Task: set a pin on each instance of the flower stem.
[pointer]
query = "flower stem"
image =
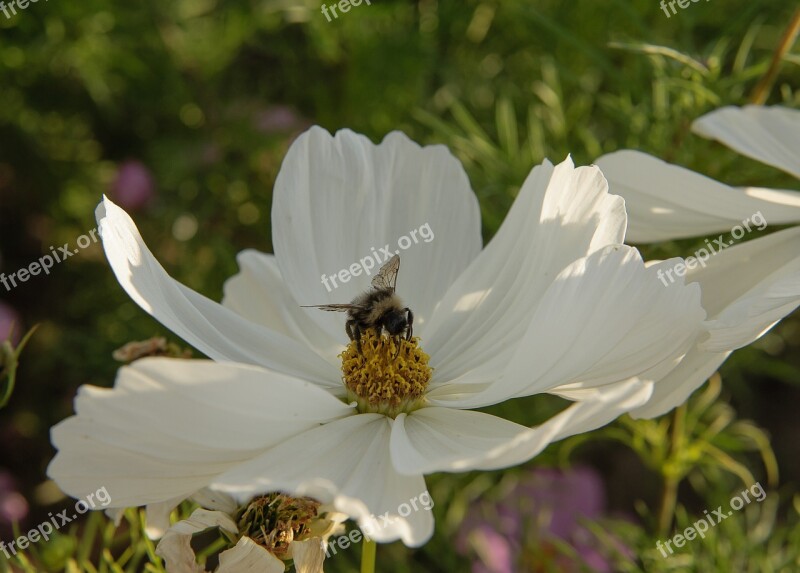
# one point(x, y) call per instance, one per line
point(368, 551)
point(668, 500)
point(672, 472)
point(761, 91)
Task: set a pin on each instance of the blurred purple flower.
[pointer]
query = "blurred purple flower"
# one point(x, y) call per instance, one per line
point(562, 497)
point(494, 550)
point(279, 119)
point(516, 533)
point(13, 507)
point(133, 187)
point(9, 318)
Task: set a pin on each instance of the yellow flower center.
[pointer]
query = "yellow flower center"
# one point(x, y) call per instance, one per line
point(381, 379)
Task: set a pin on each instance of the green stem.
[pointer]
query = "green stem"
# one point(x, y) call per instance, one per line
point(672, 472)
point(668, 500)
point(9, 362)
point(368, 550)
point(761, 91)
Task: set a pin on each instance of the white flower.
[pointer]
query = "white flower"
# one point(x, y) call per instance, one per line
point(769, 134)
point(666, 202)
point(278, 528)
point(554, 304)
point(747, 288)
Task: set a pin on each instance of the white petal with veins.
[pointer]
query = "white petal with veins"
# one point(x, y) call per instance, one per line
point(175, 548)
point(346, 463)
point(259, 294)
point(741, 306)
point(216, 331)
point(768, 134)
point(169, 427)
point(308, 555)
point(443, 439)
point(338, 197)
point(249, 557)
point(666, 201)
point(562, 214)
point(605, 319)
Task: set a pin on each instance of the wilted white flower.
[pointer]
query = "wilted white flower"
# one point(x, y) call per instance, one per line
point(268, 531)
point(554, 304)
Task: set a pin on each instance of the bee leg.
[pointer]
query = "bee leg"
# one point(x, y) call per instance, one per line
point(410, 320)
point(348, 327)
point(357, 331)
point(354, 332)
point(396, 340)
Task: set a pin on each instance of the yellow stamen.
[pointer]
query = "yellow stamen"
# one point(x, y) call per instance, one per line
point(382, 383)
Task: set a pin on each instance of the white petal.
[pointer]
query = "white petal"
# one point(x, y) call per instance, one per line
point(443, 439)
point(169, 427)
point(157, 516)
point(751, 316)
point(116, 514)
point(215, 500)
point(667, 202)
point(249, 557)
point(736, 270)
point(178, 555)
point(745, 290)
point(175, 548)
point(605, 319)
point(202, 519)
point(308, 555)
point(346, 463)
point(259, 294)
point(337, 198)
point(769, 134)
point(214, 330)
point(561, 215)
point(676, 387)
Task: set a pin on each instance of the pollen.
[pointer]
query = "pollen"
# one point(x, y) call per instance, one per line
point(381, 379)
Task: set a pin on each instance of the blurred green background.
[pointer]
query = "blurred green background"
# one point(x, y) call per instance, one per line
point(184, 110)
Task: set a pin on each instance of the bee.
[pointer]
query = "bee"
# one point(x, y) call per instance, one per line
point(379, 308)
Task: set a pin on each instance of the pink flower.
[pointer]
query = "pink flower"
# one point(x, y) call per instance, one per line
point(545, 505)
point(279, 119)
point(13, 507)
point(10, 320)
point(133, 187)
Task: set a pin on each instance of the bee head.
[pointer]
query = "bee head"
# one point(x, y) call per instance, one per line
point(395, 322)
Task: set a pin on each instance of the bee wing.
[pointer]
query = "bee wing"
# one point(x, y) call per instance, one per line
point(333, 307)
point(387, 276)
